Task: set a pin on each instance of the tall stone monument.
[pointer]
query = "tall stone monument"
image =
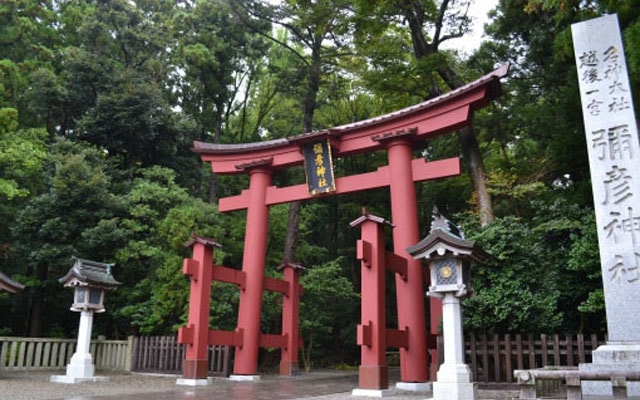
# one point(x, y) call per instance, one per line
point(614, 159)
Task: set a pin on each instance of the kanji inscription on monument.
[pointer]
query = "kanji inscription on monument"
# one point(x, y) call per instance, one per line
point(614, 159)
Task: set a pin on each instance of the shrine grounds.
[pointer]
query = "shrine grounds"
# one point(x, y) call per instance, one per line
point(317, 385)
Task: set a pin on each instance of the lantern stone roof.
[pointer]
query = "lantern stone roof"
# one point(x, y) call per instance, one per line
point(9, 285)
point(90, 273)
point(446, 237)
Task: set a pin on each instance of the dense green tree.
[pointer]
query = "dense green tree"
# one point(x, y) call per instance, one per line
point(158, 300)
point(50, 228)
point(516, 291)
point(22, 152)
point(327, 310)
point(218, 57)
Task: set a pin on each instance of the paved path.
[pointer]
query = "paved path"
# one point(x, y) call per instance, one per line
point(320, 385)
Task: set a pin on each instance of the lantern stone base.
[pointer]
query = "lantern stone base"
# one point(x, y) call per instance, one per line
point(614, 358)
point(80, 369)
point(77, 379)
point(454, 383)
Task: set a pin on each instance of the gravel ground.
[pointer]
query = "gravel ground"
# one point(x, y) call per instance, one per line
point(36, 386)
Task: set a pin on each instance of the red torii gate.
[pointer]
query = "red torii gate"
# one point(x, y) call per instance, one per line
point(396, 133)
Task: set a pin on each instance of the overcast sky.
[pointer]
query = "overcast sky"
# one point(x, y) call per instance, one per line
point(478, 12)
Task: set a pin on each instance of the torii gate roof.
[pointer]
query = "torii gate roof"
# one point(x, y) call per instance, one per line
point(428, 119)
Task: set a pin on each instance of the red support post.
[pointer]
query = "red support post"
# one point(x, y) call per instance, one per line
point(372, 336)
point(410, 291)
point(290, 319)
point(255, 248)
point(196, 334)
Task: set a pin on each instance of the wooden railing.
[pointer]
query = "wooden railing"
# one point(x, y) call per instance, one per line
point(493, 358)
point(19, 353)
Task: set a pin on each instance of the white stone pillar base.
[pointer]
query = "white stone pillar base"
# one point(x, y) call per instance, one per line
point(81, 366)
point(373, 392)
point(80, 369)
point(414, 386)
point(455, 383)
point(244, 378)
point(612, 357)
point(76, 379)
point(455, 390)
point(194, 382)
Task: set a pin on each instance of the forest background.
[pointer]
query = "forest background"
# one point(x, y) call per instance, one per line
point(100, 102)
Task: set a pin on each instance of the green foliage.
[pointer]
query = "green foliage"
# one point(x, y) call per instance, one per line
point(326, 312)
point(22, 153)
point(165, 309)
point(543, 275)
point(49, 228)
point(516, 290)
point(584, 261)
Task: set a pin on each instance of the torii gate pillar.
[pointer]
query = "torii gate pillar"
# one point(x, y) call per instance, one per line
point(290, 318)
point(195, 335)
point(409, 291)
point(253, 262)
point(373, 375)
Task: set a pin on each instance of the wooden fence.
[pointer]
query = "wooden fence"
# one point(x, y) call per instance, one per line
point(18, 353)
point(493, 358)
point(164, 354)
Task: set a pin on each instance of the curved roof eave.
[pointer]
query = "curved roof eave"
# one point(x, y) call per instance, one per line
point(9, 284)
point(491, 80)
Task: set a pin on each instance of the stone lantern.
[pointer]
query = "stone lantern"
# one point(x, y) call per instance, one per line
point(90, 280)
point(450, 257)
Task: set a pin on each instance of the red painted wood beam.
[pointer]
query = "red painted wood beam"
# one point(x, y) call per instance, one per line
point(397, 338)
point(225, 338)
point(276, 285)
point(364, 334)
point(422, 170)
point(396, 264)
point(229, 275)
point(272, 341)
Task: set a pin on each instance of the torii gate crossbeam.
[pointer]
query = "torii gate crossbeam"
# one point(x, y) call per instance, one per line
point(396, 133)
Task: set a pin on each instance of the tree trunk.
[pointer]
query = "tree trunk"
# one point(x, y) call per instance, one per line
point(213, 183)
point(36, 310)
point(413, 11)
point(313, 86)
point(471, 152)
point(293, 231)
